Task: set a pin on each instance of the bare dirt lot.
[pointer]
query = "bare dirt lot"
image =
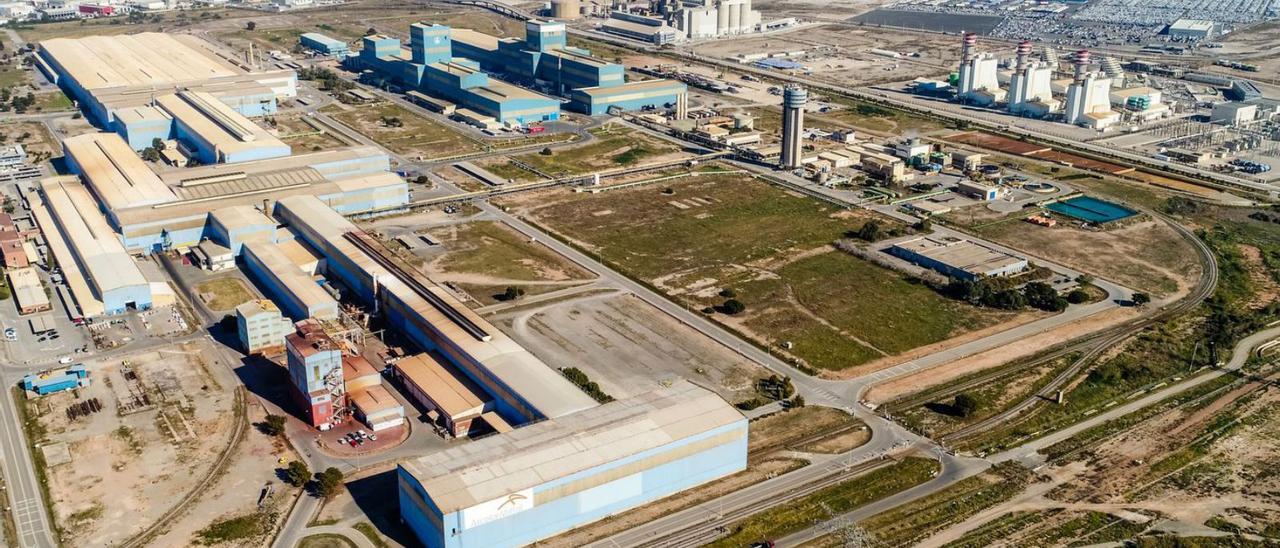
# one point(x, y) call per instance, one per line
point(485, 257)
point(842, 53)
point(1203, 469)
point(165, 418)
point(628, 346)
point(1147, 256)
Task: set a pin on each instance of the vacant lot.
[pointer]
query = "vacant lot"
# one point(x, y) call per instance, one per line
point(614, 146)
point(164, 419)
point(404, 132)
point(711, 237)
point(1147, 256)
point(486, 257)
point(223, 293)
point(33, 137)
point(304, 137)
point(628, 346)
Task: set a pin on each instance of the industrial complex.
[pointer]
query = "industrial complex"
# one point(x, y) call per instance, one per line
point(453, 65)
point(638, 273)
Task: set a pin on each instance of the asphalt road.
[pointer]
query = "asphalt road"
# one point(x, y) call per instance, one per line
point(24, 495)
point(1028, 451)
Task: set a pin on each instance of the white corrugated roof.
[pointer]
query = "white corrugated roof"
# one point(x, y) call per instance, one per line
point(536, 382)
point(96, 247)
point(149, 58)
point(118, 176)
point(496, 466)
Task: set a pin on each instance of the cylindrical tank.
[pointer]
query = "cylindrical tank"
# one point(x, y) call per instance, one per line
point(735, 17)
point(722, 17)
point(565, 10)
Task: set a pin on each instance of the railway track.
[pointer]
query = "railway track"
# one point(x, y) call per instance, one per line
point(717, 525)
point(1099, 344)
point(215, 471)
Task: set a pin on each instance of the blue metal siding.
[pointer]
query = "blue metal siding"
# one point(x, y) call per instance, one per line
point(565, 513)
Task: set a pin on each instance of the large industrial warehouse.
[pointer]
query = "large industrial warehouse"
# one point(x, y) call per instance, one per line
point(167, 86)
point(594, 85)
point(565, 458)
point(536, 481)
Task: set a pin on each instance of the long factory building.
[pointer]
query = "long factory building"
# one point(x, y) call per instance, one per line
point(559, 459)
point(534, 482)
point(153, 85)
point(453, 64)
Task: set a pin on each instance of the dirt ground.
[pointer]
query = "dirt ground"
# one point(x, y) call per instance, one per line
point(841, 53)
point(1147, 255)
point(1202, 469)
point(303, 137)
point(255, 466)
point(996, 357)
point(131, 461)
point(33, 137)
point(628, 346)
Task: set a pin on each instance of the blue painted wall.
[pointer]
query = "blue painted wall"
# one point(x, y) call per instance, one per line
point(565, 513)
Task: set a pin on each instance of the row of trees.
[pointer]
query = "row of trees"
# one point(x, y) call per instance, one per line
point(323, 484)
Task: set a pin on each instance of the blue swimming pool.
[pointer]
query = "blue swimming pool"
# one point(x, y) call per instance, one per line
point(1087, 208)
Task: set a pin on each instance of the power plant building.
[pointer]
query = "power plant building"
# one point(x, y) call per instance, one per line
point(533, 482)
point(1030, 90)
point(978, 79)
point(1089, 97)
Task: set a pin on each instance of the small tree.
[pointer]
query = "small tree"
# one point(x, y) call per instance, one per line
point(1084, 280)
point(329, 483)
point(273, 425)
point(728, 293)
point(512, 293)
point(1141, 299)
point(546, 151)
point(1078, 296)
point(964, 404)
point(797, 401)
point(297, 473)
point(157, 143)
point(870, 232)
point(370, 31)
point(733, 306)
point(251, 25)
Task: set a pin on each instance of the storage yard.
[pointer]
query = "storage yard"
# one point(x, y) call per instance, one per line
point(160, 414)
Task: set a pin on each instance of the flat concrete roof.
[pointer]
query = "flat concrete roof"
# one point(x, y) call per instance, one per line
point(965, 255)
point(149, 58)
point(375, 400)
point(496, 466)
point(116, 173)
